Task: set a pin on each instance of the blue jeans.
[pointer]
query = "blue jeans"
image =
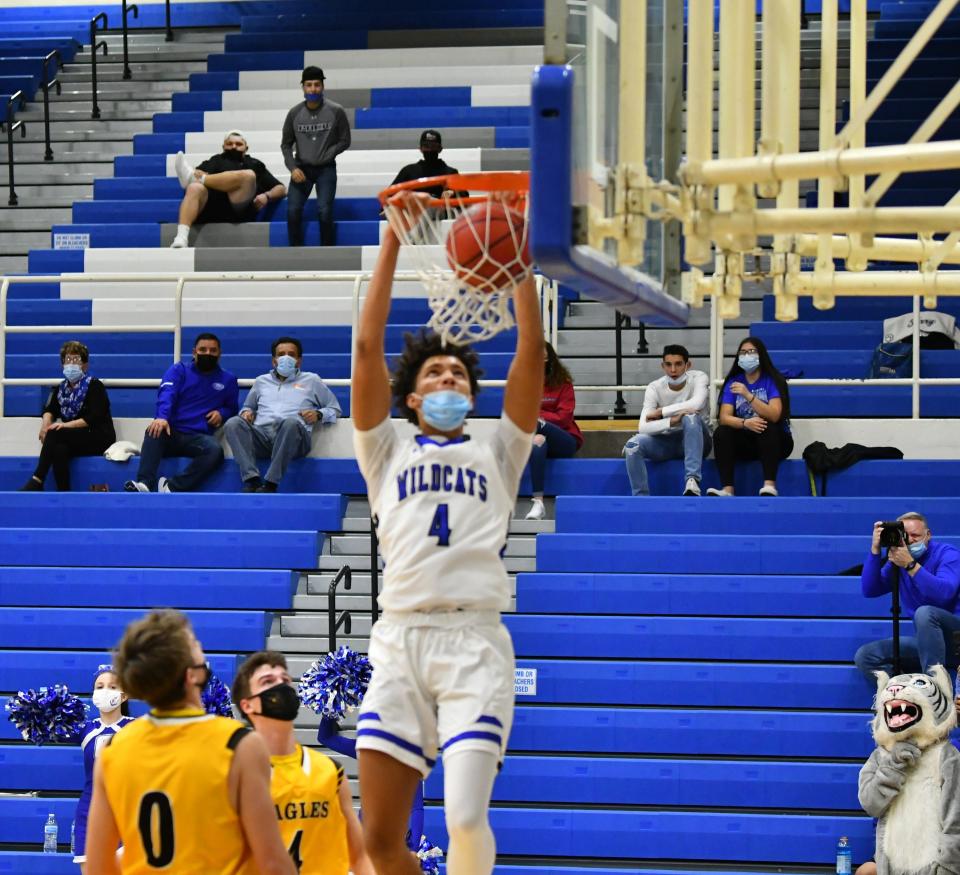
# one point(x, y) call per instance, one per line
point(289, 441)
point(203, 450)
point(559, 444)
point(325, 179)
point(692, 444)
point(933, 645)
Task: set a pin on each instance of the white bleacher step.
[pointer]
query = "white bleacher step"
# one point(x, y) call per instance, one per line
point(60, 190)
point(264, 145)
point(590, 314)
point(315, 584)
point(518, 526)
point(312, 625)
point(309, 648)
point(232, 259)
point(179, 72)
point(13, 264)
point(141, 63)
point(114, 94)
point(333, 562)
point(21, 242)
point(25, 218)
point(112, 110)
point(518, 546)
point(69, 148)
point(414, 75)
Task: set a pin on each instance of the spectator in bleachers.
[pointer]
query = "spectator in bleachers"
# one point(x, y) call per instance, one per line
point(315, 131)
point(557, 436)
point(193, 402)
point(76, 420)
point(673, 423)
point(431, 164)
point(229, 187)
point(754, 417)
point(278, 416)
point(927, 573)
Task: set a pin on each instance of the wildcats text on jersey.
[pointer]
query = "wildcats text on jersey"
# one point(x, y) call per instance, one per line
point(441, 478)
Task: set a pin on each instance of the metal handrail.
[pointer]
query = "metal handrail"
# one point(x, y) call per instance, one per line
point(169, 37)
point(333, 622)
point(136, 14)
point(13, 99)
point(374, 572)
point(94, 48)
point(45, 84)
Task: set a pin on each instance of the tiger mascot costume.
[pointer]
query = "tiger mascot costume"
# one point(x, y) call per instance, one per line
point(911, 783)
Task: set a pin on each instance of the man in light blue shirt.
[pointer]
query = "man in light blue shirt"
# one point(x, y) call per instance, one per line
point(277, 419)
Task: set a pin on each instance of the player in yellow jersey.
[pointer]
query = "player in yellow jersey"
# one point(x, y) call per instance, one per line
point(311, 796)
point(187, 792)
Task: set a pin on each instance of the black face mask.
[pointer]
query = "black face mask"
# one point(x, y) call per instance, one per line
point(279, 702)
point(232, 155)
point(207, 673)
point(430, 157)
point(206, 363)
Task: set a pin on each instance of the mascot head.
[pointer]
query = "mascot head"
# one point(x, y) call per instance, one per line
point(913, 707)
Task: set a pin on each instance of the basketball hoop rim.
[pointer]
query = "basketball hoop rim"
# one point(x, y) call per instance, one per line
point(513, 181)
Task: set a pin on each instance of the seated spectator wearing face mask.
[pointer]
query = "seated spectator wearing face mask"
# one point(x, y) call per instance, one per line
point(229, 187)
point(193, 402)
point(431, 164)
point(754, 417)
point(76, 420)
point(927, 573)
point(673, 423)
point(278, 416)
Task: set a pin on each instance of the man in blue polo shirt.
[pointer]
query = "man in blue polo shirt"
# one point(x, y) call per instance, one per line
point(928, 575)
point(278, 417)
point(193, 402)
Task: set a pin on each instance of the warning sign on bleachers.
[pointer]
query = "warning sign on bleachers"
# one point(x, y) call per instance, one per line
point(525, 682)
point(71, 241)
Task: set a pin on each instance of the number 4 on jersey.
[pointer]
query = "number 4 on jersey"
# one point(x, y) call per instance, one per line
point(440, 527)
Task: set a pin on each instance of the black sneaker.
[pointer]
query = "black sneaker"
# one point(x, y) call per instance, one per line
point(252, 485)
point(32, 485)
point(267, 486)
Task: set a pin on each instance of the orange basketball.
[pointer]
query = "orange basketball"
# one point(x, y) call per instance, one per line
point(487, 246)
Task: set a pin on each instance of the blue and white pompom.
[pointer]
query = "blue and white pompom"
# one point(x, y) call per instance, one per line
point(216, 698)
point(47, 714)
point(430, 856)
point(334, 685)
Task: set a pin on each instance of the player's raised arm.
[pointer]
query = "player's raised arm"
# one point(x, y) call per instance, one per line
point(524, 390)
point(370, 383)
point(103, 837)
point(255, 807)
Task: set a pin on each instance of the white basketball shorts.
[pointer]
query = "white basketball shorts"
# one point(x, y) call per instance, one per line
point(441, 681)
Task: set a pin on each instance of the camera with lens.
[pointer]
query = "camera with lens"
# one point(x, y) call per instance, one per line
point(893, 534)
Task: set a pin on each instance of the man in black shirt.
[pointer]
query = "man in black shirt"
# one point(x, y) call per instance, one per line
point(229, 187)
point(431, 145)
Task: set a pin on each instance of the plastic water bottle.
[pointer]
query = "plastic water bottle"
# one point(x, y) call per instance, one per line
point(844, 857)
point(73, 837)
point(50, 835)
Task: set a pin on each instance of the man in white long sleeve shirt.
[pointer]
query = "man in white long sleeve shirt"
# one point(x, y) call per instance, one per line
point(673, 424)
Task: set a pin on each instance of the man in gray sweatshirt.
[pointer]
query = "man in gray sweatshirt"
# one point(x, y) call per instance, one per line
point(314, 133)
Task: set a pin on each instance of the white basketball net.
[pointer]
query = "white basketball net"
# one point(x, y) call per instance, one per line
point(467, 305)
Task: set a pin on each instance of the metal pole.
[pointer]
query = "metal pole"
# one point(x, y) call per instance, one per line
point(915, 375)
point(47, 82)
point(169, 37)
point(699, 111)
point(178, 320)
point(94, 47)
point(11, 127)
point(672, 137)
point(136, 14)
point(374, 572)
point(619, 406)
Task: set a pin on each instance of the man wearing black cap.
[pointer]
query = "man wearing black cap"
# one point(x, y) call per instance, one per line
point(314, 133)
point(431, 145)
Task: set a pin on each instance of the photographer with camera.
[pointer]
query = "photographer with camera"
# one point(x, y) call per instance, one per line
point(928, 576)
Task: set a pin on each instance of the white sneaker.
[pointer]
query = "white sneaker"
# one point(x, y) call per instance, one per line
point(718, 492)
point(769, 491)
point(135, 486)
point(163, 485)
point(180, 242)
point(183, 170)
point(537, 511)
point(692, 487)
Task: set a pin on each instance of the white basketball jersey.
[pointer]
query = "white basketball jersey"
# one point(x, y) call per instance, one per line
point(443, 511)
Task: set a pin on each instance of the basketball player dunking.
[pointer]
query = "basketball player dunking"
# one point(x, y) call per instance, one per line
point(443, 662)
point(183, 790)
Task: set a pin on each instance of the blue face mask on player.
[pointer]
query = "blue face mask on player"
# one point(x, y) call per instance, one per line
point(286, 365)
point(72, 373)
point(445, 410)
point(749, 363)
point(313, 99)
